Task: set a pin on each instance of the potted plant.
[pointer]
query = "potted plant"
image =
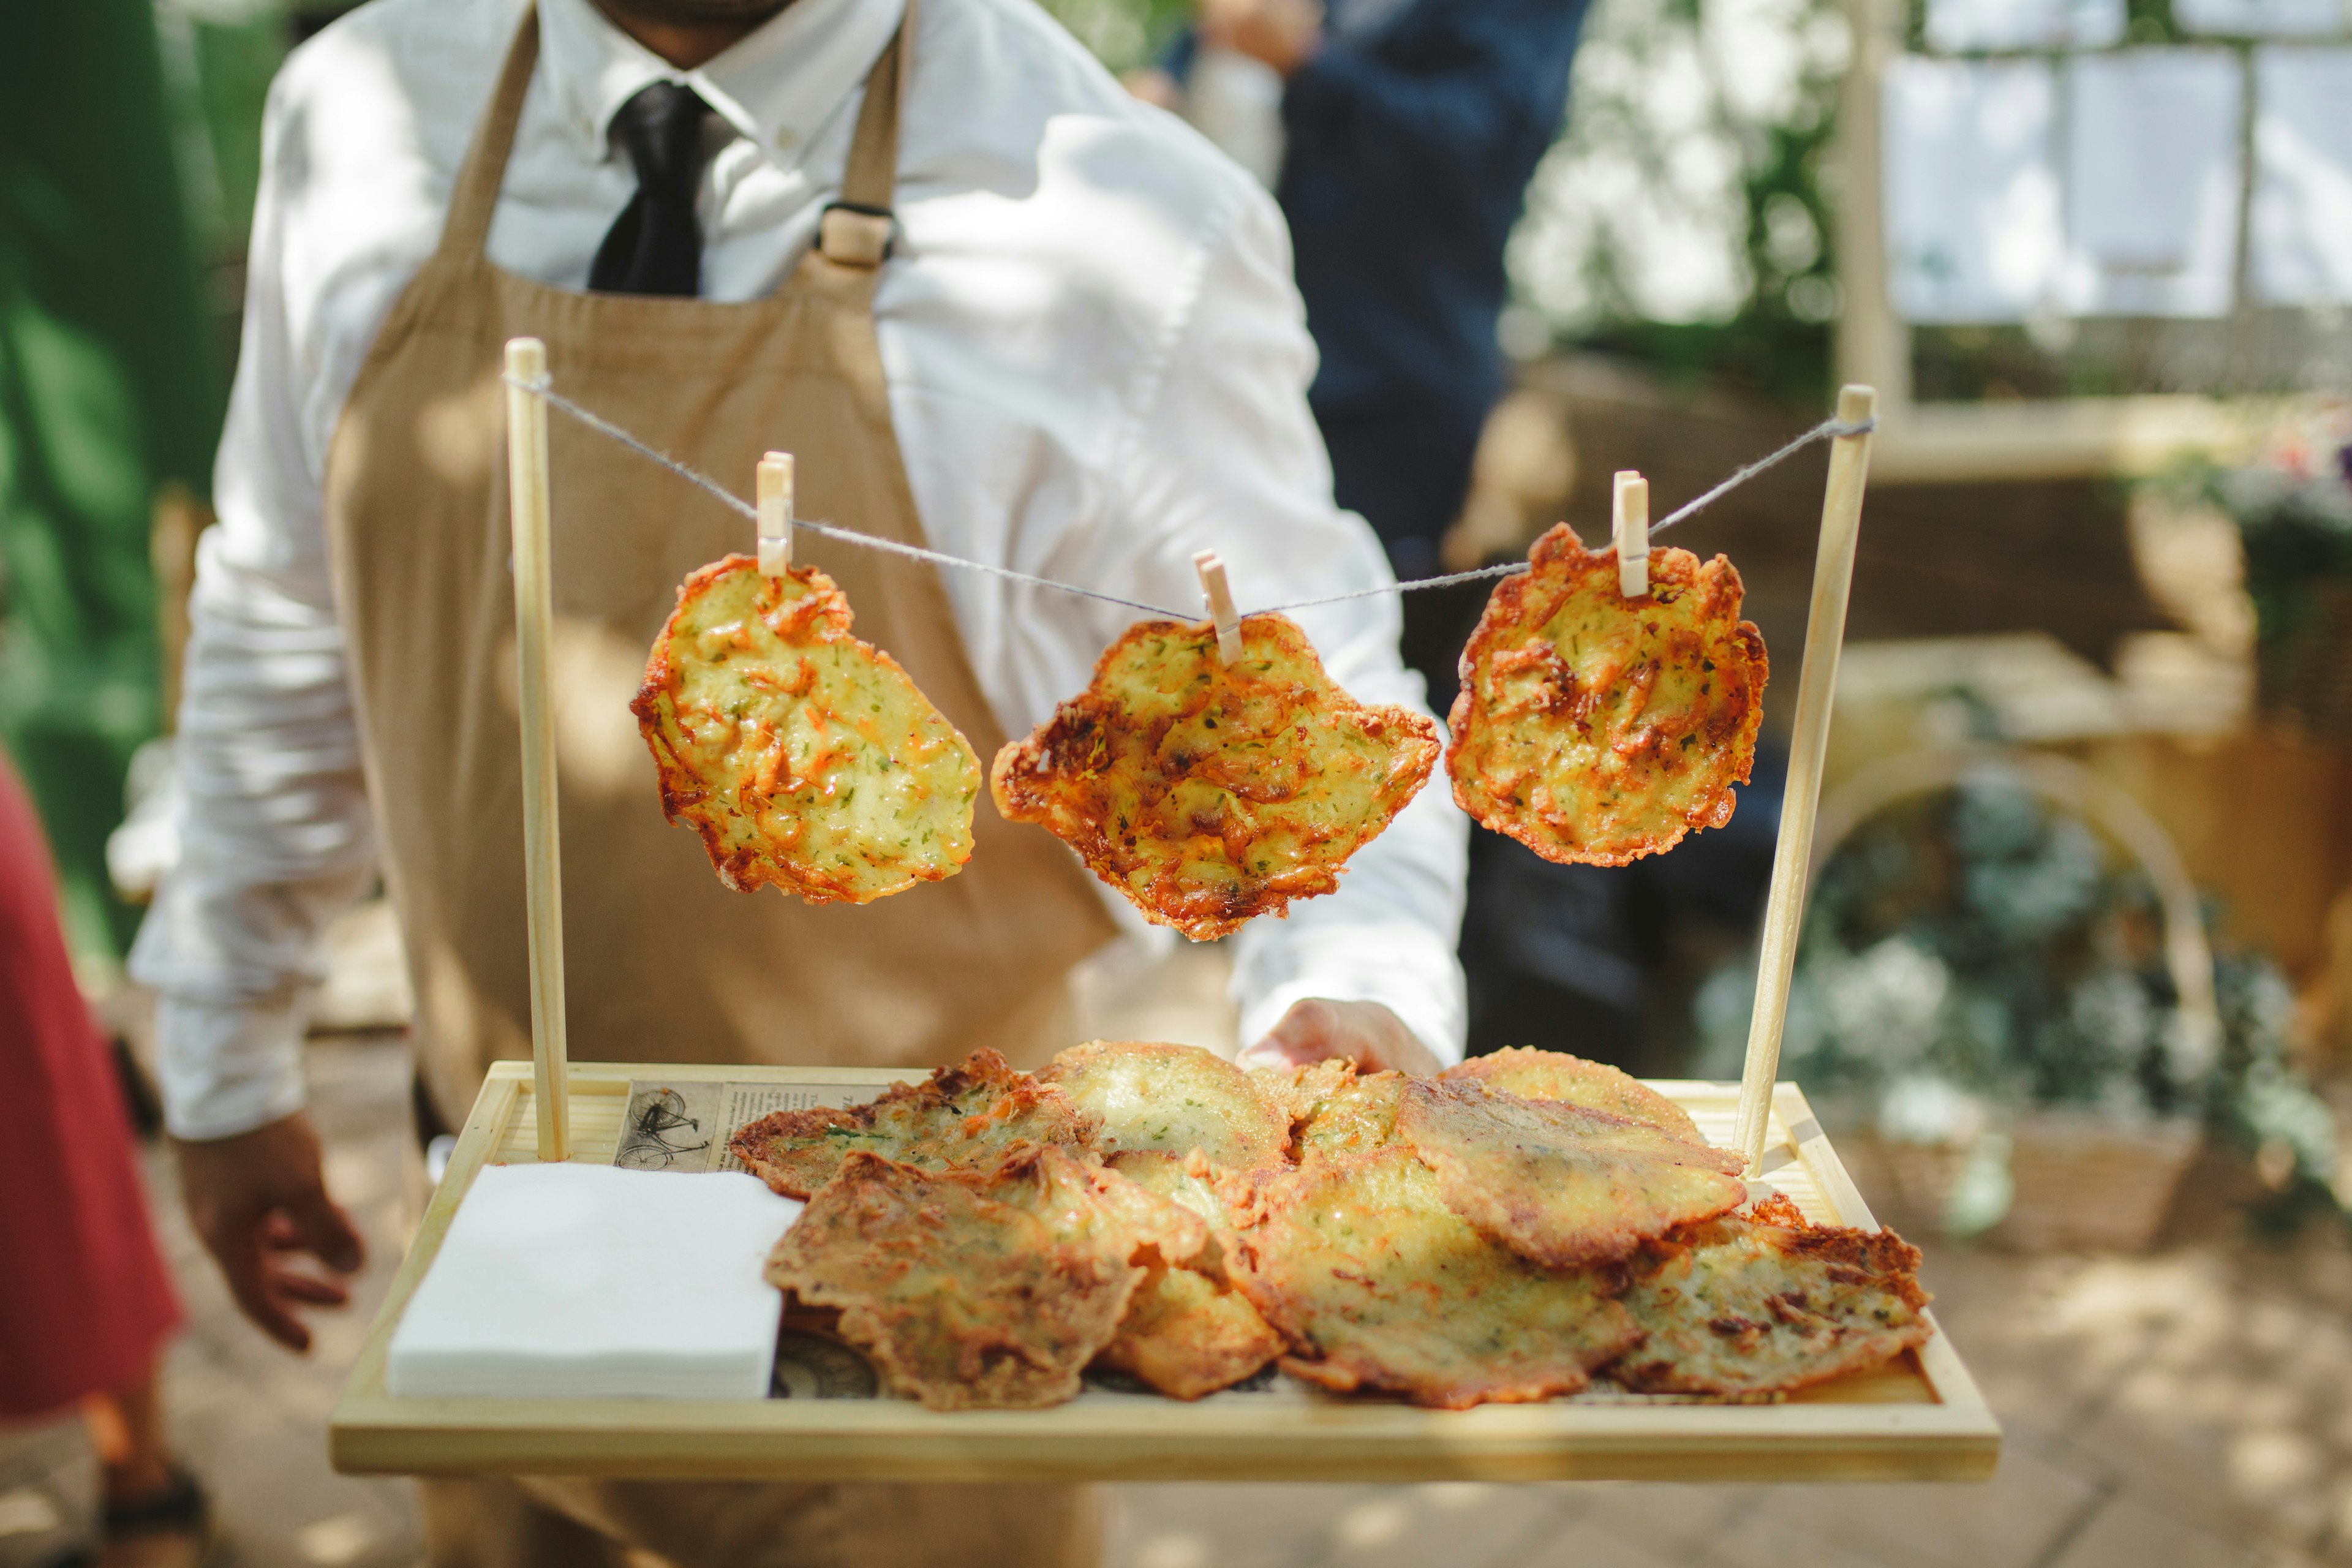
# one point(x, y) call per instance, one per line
point(2293, 507)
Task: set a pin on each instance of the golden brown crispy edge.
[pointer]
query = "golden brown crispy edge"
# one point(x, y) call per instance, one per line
point(1514, 1069)
point(1256, 1122)
point(824, 611)
point(772, 1147)
point(1507, 609)
point(740, 870)
point(1853, 1257)
point(1189, 1332)
point(1266, 1196)
point(1062, 1294)
point(1070, 741)
point(1301, 1091)
point(1562, 1185)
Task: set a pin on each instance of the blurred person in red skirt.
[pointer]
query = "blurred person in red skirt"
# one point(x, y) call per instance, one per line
point(88, 1304)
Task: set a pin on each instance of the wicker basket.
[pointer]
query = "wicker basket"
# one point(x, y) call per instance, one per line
point(2083, 1184)
point(2083, 1181)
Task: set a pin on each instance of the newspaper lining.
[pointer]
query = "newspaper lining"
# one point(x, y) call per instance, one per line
point(684, 1124)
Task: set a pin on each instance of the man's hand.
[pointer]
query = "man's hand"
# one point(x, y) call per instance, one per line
point(258, 1198)
point(1285, 33)
point(1373, 1037)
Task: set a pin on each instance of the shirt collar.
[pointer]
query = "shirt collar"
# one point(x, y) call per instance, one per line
point(777, 86)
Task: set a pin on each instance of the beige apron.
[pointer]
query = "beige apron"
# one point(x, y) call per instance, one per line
point(663, 964)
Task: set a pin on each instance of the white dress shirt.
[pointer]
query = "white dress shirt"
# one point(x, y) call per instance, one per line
point(1097, 364)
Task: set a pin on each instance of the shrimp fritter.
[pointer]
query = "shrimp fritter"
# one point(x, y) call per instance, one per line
point(1377, 1284)
point(806, 759)
point(975, 1290)
point(1596, 728)
point(1208, 792)
point(1766, 1303)
point(1174, 1099)
point(1532, 1074)
point(974, 1115)
point(1560, 1184)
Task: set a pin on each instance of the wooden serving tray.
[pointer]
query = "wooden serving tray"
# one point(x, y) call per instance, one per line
point(1919, 1419)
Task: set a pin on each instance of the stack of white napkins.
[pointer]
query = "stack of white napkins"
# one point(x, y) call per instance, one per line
point(585, 1281)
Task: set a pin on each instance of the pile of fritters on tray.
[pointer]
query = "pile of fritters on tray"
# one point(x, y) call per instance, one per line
point(1510, 1231)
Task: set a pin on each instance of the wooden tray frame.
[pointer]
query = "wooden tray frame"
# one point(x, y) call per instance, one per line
point(1921, 1420)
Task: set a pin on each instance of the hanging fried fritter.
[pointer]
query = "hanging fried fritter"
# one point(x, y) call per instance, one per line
point(1762, 1303)
point(1173, 1099)
point(980, 1291)
point(1188, 1331)
point(1378, 1285)
point(805, 758)
point(1596, 728)
point(973, 1115)
point(1562, 1184)
point(1531, 1074)
point(1210, 793)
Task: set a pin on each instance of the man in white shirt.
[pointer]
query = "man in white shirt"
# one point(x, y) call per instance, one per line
point(997, 307)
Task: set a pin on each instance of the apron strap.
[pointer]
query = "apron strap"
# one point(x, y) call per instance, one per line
point(852, 232)
point(475, 194)
point(856, 230)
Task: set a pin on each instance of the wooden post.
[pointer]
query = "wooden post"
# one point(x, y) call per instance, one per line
point(1784, 909)
point(774, 489)
point(1220, 595)
point(542, 866)
point(1629, 526)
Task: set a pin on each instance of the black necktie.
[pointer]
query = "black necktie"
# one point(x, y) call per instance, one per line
point(654, 246)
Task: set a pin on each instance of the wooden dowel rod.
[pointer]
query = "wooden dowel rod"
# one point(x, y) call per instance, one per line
point(1220, 596)
point(542, 866)
point(774, 492)
point(1784, 909)
point(1628, 527)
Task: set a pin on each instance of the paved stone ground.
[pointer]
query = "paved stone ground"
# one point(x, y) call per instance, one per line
point(2192, 1408)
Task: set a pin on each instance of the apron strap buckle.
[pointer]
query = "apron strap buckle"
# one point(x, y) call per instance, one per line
point(850, 234)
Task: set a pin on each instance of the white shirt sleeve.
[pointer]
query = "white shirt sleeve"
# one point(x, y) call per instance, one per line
point(1226, 455)
point(276, 837)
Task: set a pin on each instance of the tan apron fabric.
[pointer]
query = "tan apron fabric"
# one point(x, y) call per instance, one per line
point(662, 963)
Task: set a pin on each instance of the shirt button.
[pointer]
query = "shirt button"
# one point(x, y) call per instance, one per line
point(787, 138)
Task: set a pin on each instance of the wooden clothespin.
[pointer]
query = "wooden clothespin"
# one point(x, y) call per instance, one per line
point(1628, 525)
point(774, 491)
point(1220, 595)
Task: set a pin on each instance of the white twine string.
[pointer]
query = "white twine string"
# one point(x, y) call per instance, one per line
point(597, 422)
point(1820, 432)
point(1823, 431)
